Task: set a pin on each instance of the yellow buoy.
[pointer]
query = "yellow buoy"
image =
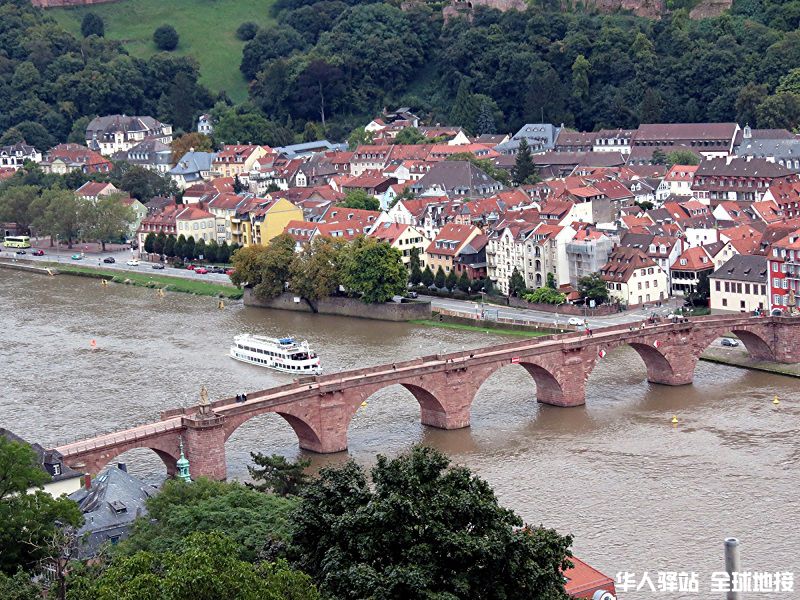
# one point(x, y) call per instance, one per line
point(674, 420)
point(105, 282)
point(364, 404)
point(160, 292)
point(220, 305)
point(775, 401)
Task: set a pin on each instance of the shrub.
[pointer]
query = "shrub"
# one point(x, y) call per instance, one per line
point(247, 31)
point(166, 38)
point(92, 24)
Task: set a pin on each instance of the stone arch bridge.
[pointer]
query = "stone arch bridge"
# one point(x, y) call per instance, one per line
point(319, 409)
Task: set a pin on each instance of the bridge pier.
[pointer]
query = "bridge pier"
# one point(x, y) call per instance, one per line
point(204, 446)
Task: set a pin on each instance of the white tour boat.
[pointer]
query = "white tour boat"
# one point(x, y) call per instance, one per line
point(282, 354)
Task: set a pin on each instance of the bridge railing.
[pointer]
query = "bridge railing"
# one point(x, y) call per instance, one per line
point(119, 437)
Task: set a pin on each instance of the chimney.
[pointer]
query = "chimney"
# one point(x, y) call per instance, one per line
point(87, 481)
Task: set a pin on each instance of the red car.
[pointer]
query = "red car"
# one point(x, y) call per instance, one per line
point(191, 267)
point(229, 272)
point(38, 252)
point(201, 270)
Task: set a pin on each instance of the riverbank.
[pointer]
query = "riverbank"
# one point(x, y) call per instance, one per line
point(735, 357)
point(165, 282)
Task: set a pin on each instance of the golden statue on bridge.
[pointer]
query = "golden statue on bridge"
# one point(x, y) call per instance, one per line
point(205, 405)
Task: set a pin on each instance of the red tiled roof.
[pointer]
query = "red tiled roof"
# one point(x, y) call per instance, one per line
point(193, 212)
point(680, 173)
point(451, 232)
point(583, 581)
point(389, 232)
point(695, 259)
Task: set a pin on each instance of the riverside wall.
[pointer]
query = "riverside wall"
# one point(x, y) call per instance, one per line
point(345, 307)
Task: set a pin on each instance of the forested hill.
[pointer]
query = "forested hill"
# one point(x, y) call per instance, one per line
point(349, 59)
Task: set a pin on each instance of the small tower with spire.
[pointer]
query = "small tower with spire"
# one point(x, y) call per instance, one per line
point(183, 465)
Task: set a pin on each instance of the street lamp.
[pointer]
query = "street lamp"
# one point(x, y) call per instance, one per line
point(557, 305)
point(58, 248)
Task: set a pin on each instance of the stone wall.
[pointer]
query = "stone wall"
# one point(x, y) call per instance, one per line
point(566, 309)
point(346, 307)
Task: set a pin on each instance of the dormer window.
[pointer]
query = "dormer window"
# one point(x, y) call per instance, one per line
point(683, 261)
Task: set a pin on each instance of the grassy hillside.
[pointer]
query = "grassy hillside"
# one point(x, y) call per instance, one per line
point(206, 28)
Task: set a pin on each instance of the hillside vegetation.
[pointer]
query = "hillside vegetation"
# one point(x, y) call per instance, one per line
point(206, 28)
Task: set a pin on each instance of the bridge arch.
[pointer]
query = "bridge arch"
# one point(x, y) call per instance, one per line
point(303, 426)
point(432, 410)
point(549, 389)
point(95, 462)
point(757, 346)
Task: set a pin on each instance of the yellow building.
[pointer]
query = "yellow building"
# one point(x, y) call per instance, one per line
point(238, 160)
point(196, 221)
point(259, 220)
point(442, 251)
point(404, 238)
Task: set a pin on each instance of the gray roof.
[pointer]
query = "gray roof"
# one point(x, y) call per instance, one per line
point(146, 152)
point(110, 507)
point(743, 267)
point(296, 150)
point(785, 149)
point(540, 136)
point(192, 163)
point(741, 167)
point(114, 123)
point(47, 458)
point(458, 178)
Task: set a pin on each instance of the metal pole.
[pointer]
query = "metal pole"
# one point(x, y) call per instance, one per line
point(732, 565)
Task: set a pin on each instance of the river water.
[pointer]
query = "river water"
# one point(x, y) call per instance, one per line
point(638, 493)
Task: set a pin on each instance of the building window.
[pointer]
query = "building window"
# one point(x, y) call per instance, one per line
point(716, 285)
point(56, 469)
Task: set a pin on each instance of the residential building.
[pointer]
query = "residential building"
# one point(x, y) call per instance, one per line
point(686, 272)
point(740, 285)
point(68, 158)
point(737, 179)
point(441, 252)
point(784, 273)
point(159, 221)
point(205, 125)
point(370, 157)
point(110, 504)
point(471, 259)
point(632, 278)
point(456, 178)
point(139, 214)
point(587, 252)
point(258, 220)
point(152, 154)
point(14, 156)
point(223, 207)
point(403, 238)
point(118, 133)
point(786, 196)
point(195, 221)
point(677, 182)
point(540, 137)
point(238, 159)
point(574, 141)
point(62, 478)
point(192, 168)
point(92, 190)
point(613, 140)
point(705, 139)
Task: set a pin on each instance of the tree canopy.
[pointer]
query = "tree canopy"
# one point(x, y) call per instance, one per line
point(360, 199)
point(424, 529)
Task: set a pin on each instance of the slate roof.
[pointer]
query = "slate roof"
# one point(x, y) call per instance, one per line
point(742, 267)
point(46, 458)
point(193, 162)
point(741, 167)
point(458, 178)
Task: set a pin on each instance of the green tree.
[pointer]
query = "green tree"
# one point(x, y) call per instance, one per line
point(92, 24)
point(28, 521)
point(61, 214)
point(265, 269)
point(465, 107)
point(107, 219)
point(413, 257)
point(702, 292)
point(253, 128)
point(780, 110)
point(551, 281)
point(658, 157)
point(440, 278)
point(682, 157)
point(150, 243)
point(545, 295)
point(188, 247)
point(516, 286)
point(180, 247)
point(200, 249)
point(224, 253)
point(247, 31)
point(17, 205)
point(144, 184)
point(169, 245)
point(166, 38)
point(316, 272)
point(651, 107)
point(360, 199)
point(423, 529)
point(252, 519)
point(524, 169)
point(484, 121)
point(580, 80)
point(592, 287)
point(374, 270)
point(211, 251)
point(277, 475)
point(427, 277)
point(464, 282)
point(409, 136)
point(488, 286)
point(790, 83)
point(451, 281)
point(359, 137)
point(747, 101)
point(206, 565)
point(19, 587)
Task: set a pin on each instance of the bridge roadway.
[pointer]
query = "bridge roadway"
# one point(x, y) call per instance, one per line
point(319, 409)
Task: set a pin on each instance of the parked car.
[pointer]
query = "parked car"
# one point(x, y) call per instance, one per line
point(191, 267)
point(21, 252)
point(109, 260)
point(412, 294)
point(217, 270)
point(132, 263)
point(578, 322)
point(38, 252)
point(76, 257)
point(201, 270)
point(229, 272)
point(729, 342)
point(158, 265)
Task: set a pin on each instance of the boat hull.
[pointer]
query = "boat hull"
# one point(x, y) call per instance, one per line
point(268, 363)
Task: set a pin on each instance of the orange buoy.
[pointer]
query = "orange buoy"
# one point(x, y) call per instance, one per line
point(93, 344)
